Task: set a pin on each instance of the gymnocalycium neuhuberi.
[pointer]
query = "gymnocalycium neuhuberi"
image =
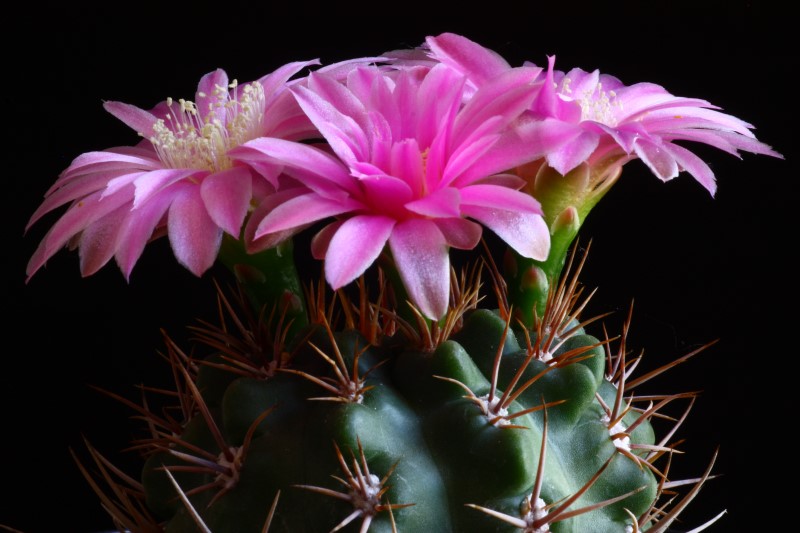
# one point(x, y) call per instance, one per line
point(397, 393)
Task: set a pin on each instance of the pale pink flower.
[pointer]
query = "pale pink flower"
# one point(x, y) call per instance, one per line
point(178, 181)
point(407, 165)
point(612, 121)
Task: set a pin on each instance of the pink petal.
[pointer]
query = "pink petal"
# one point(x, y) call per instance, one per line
point(193, 235)
point(624, 136)
point(394, 110)
point(727, 141)
point(321, 241)
point(77, 218)
point(380, 139)
point(340, 96)
point(208, 101)
point(267, 204)
point(659, 160)
point(643, 97)
point(292, 126)
point(360, 83)
point(468, 58)
point(274, 82)
point(310, 158)
point(549, 103)
point(144, 150)
point(268, 170)
point(421, 256)
point(138, 229)
point(459, 232)
point(676, 119)
point(694, 166)
point(82, 214)
point(509, 181)
point(386, 193)
point(139, 120)
point(470, 152)
point(301, 210)
point(227, 197)
point(98, 241)
point(494, 196)
point(574, 152)
point(356, 244)
point(507, 96)
point(444, 202)
point(526, 141)
point(342, 132)
point(271, 240)
point(526, 233)
point(341, 69)
point(438, 101)
point(76, 189)
point(406, 161)
point(100, 162)
point(153, 183)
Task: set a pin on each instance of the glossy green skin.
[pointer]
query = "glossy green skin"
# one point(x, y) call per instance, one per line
point(444, 451)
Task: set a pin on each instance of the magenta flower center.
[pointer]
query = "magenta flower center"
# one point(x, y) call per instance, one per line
point(189, 137)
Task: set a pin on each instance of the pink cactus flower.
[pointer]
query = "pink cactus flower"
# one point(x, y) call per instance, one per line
point(407, 164)
point(613, 122)
point(178, 181)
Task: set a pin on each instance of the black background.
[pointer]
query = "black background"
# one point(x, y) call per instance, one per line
point(698, 268)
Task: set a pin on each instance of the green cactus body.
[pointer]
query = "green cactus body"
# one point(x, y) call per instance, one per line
point(412, 426)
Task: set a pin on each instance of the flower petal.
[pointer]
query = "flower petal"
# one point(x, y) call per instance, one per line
point(301, 210)
point(310, 158)
point(321, 241)
point(406, 161)
point(441, 203)
point(421, 255)
point(526, 233)
point(356, 244)
point(106, 161)
point(98, 241)
point(574, 153)
point(193, 235)
point(507, 96)
point(211, 96)
point(274, 82)
point(437, 102)
point(459, 232)
point(138, 229)
point(526, 141)
point(77, 218)
point(497, 197)
point(694, 166)
point(139, 120)
point(227, 197)
point(659, 160)
point(342, 132)
point(467, 57)
point(74, 190)
point(153, 183)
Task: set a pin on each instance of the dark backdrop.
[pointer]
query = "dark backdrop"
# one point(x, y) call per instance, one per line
point(698, 268)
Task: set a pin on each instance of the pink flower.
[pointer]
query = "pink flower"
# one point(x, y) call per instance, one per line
point(179, 181)
point(612, 121)
point(408, 164)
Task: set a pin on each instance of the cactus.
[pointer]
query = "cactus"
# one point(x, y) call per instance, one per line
point(474, 423)
point(397, 394)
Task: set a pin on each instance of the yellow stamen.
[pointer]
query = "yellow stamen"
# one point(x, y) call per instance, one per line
point(192, 138)
point(596, 104)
